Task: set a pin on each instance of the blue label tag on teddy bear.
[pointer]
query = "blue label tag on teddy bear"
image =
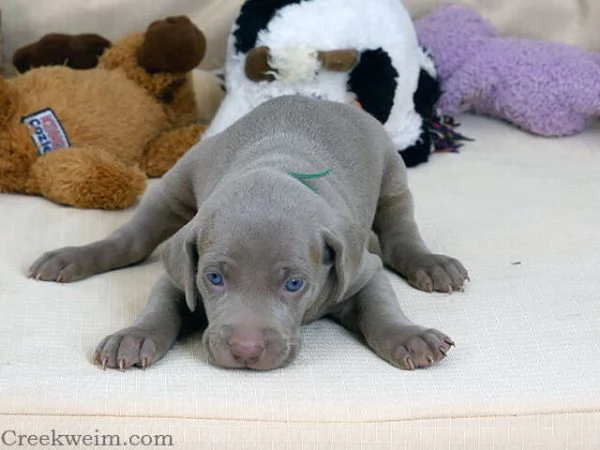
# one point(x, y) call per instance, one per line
point(47, 133)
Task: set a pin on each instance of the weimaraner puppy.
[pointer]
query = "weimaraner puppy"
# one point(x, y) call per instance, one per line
point(271, 222)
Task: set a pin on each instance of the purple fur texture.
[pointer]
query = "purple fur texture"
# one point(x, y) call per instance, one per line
point(543, 87)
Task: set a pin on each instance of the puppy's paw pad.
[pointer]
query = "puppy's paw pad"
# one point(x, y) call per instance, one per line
point(419, 347)
point(439, 273)
point(127, 348)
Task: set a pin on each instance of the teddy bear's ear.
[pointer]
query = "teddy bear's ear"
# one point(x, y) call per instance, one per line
point(174, 44)
point(80, 51)
point(22, 58)
point(8, 101)
point(55, 49)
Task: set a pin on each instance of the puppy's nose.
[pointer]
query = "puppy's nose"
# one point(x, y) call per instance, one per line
point(247, 346)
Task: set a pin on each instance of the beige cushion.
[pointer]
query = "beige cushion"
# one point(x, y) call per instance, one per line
point(520, 211)
point(571, 21)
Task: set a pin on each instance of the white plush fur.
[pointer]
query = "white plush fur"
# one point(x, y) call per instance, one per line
point(295, 35)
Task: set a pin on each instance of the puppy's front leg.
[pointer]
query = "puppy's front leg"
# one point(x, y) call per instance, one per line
point(152, 333)
point(160, 214)
point(374, 313)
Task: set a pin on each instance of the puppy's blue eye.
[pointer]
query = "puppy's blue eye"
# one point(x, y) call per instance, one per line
point(294, 284)
point(215, 278)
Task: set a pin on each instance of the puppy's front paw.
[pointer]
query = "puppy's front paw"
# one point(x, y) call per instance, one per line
point(63, 265)
point(127, 348)
point(429, 272)
point(412, 347)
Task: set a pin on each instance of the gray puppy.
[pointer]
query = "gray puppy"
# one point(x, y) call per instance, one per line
point(271, 221)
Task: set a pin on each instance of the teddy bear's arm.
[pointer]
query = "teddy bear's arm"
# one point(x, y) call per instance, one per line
point(85, 178)
point(163, 151)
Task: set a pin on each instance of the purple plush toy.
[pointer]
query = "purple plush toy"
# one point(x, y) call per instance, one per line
point(546, 88)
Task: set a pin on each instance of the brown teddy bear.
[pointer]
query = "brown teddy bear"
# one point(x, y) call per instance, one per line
point(89, 138)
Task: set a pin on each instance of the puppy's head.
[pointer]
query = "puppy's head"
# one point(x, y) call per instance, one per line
point(262, 258)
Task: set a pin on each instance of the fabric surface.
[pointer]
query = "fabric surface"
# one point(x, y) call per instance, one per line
point(570, 21)
point(521, 213)
point(540, 431)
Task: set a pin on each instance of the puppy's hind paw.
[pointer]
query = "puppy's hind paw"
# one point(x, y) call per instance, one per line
point(429, 272)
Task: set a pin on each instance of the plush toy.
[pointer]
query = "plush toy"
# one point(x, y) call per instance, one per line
point(342, 50)
point(83, 51)
point(546, 88)
point(89, 138)
point(80, 51)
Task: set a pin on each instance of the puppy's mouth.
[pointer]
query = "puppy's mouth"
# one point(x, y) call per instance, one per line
point(270, 362)
point(275, 355)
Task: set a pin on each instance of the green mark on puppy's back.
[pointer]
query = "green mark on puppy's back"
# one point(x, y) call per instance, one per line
point(305, 177)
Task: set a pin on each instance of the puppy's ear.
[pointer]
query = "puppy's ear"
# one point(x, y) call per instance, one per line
point(180, 257)
point(346, 243)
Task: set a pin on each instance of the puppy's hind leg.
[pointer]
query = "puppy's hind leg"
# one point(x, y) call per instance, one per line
point(402, 246)
point(152, 333)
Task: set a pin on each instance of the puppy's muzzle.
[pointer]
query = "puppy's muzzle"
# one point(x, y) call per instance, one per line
point(247, 346)
point(254, 348)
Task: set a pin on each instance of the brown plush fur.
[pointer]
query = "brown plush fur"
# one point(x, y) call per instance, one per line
point(76, 51)
point(257, 65)
point(172, 89)
point(109, 181)
point(122, 123)
point(172, 45)
point(339, 60)
point(167, 148)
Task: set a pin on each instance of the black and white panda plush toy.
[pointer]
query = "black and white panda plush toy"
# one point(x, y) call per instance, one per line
point(351, 51)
